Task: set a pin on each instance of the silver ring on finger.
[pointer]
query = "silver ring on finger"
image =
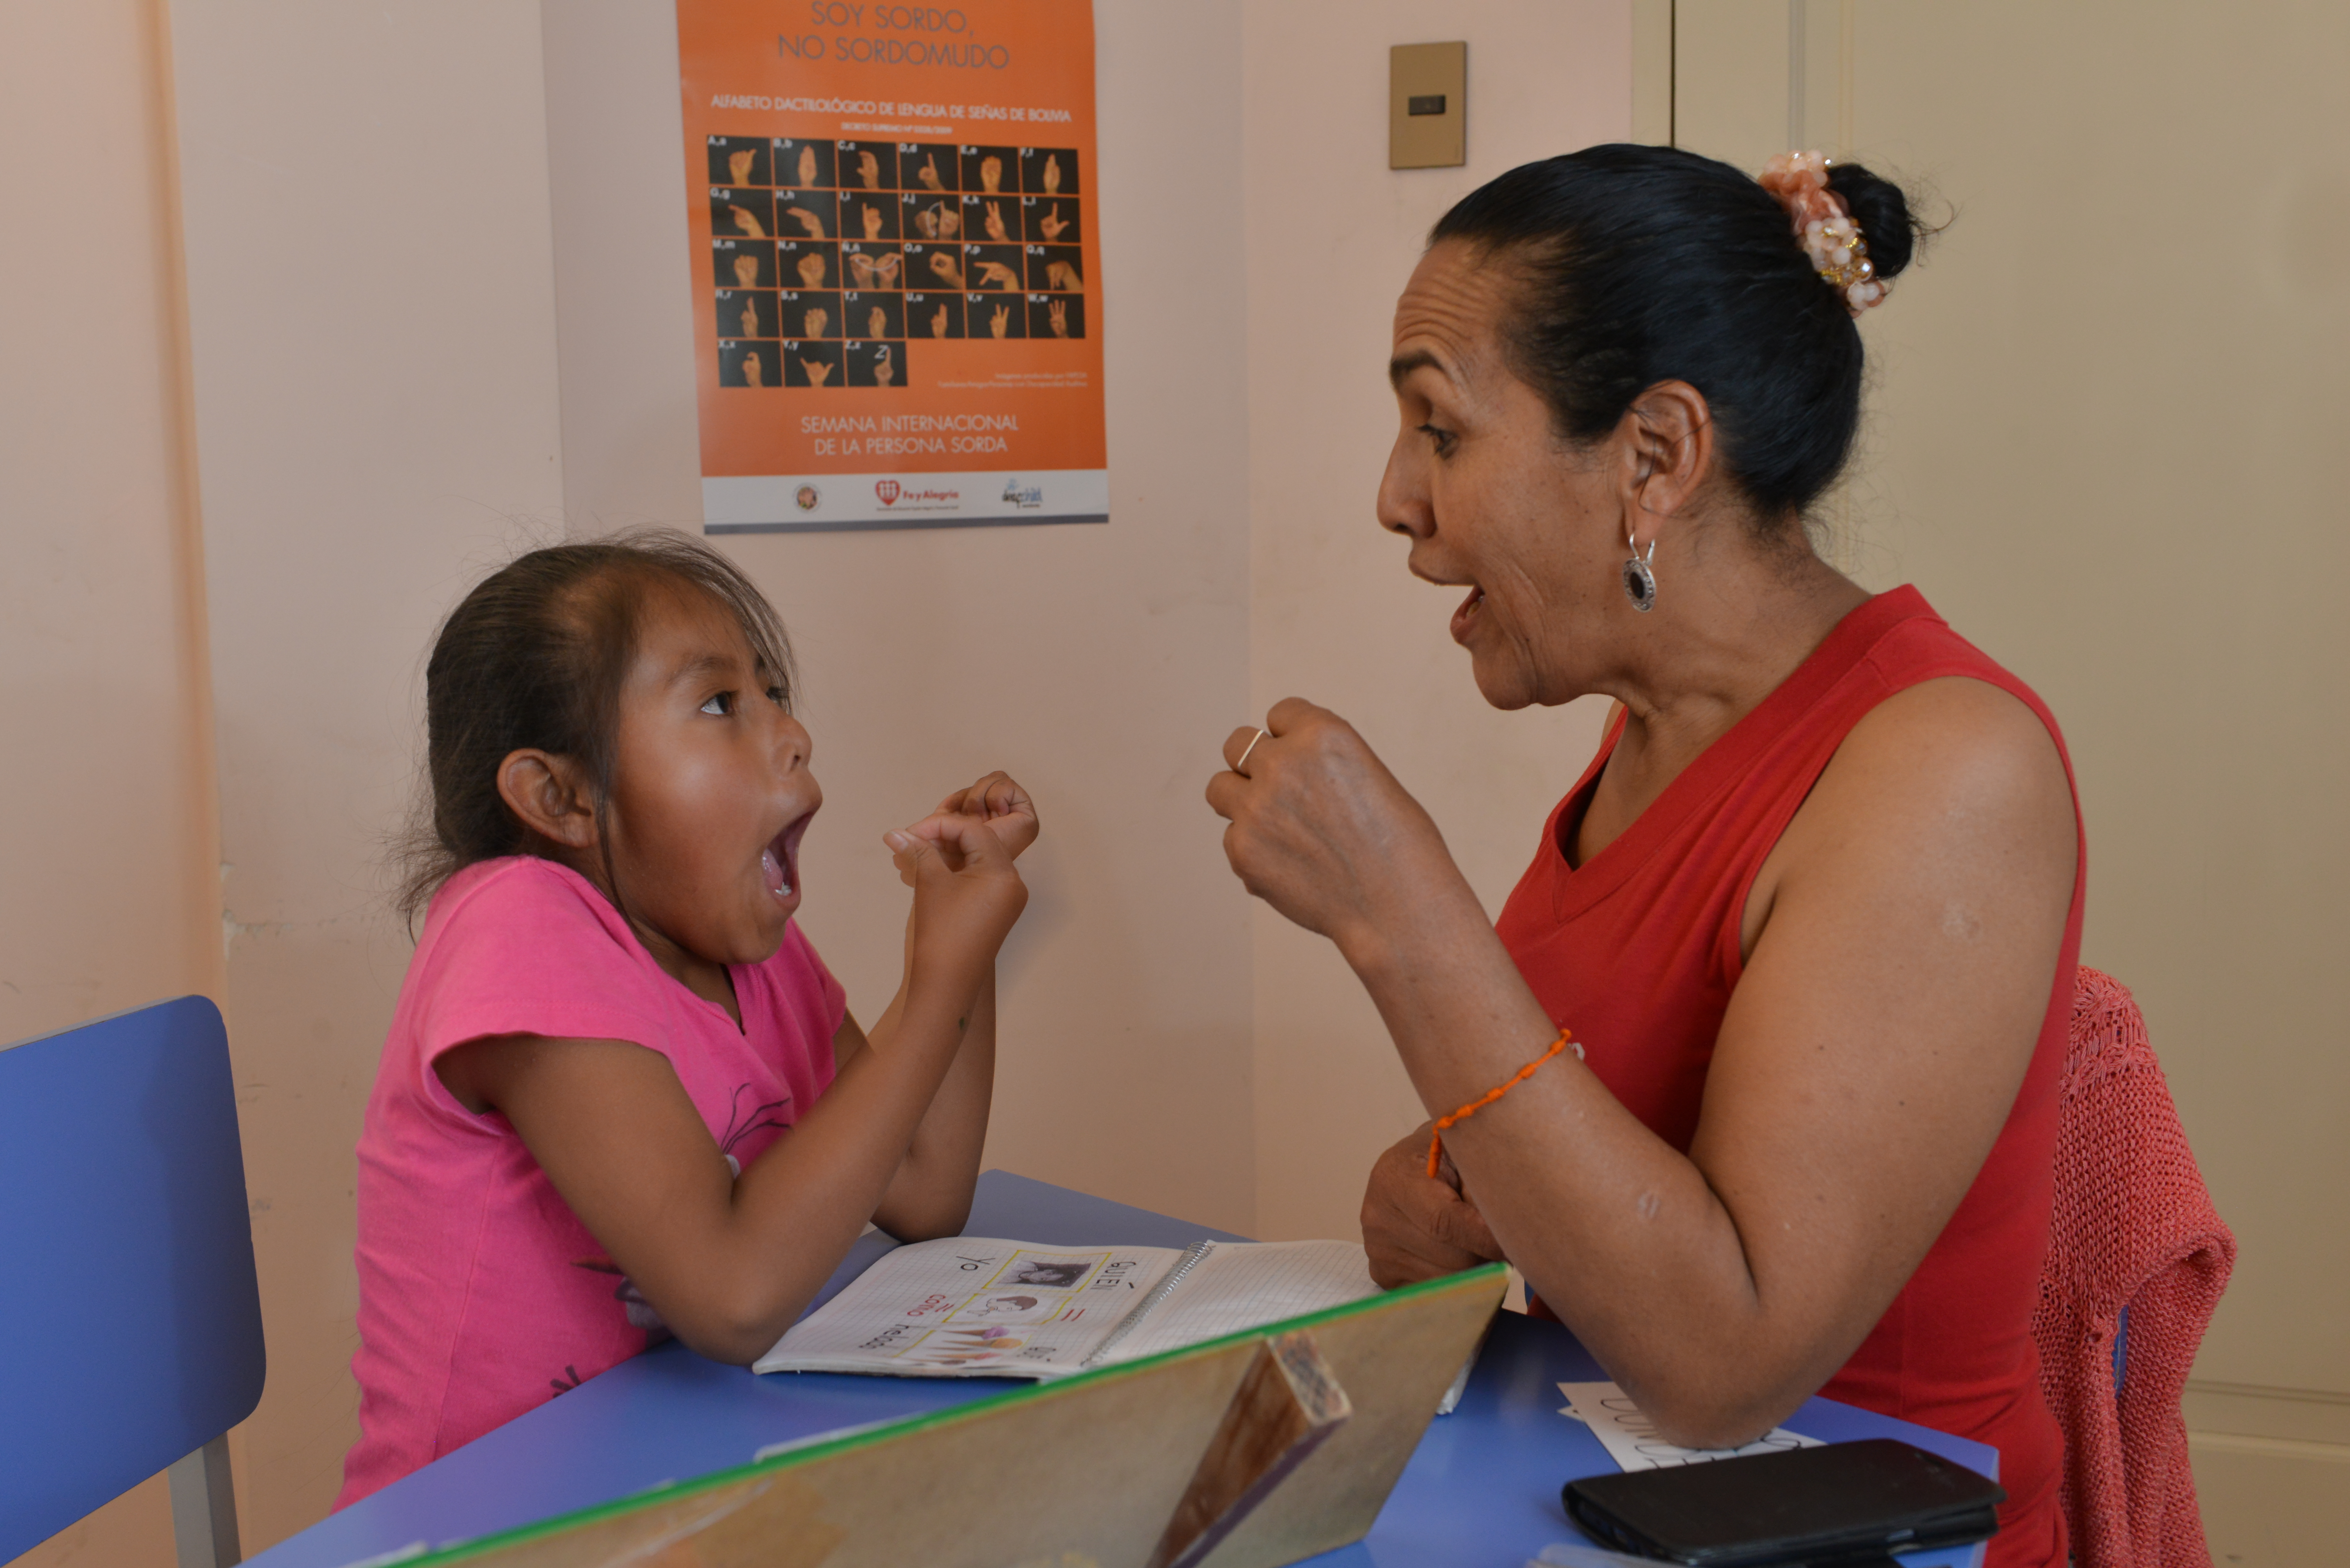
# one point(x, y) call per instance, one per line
point(1240, 767)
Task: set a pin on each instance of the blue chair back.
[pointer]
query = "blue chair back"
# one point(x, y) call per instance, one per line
point(131, 1323)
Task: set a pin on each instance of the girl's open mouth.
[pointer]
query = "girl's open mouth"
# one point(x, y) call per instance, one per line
point(779, 863)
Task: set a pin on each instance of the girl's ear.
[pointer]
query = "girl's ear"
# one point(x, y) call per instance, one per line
point(548, 793)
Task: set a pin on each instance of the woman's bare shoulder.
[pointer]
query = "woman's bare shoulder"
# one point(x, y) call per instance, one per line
point(1955, 743)
point(1952, 781)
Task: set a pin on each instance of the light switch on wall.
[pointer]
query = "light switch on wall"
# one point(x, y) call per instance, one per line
point(1428, 106)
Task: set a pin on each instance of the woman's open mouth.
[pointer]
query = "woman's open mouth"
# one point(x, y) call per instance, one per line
point(779, 863)
point(1466, 616)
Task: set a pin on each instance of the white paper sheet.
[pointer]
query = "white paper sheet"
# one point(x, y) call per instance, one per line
point(1238, 1285)
point(1631, 1438)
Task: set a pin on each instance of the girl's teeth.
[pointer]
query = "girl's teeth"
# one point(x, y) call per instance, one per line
point(772, 870)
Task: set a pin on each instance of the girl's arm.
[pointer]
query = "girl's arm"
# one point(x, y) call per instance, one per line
point(730, 1262)
point(931, 1195)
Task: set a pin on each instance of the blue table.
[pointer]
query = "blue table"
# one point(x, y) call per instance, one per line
point(1481, 1491)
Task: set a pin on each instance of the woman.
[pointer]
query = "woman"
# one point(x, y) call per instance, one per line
point(1811, 917)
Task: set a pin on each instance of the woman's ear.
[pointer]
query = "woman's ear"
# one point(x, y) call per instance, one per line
point(1668, 451)
point(550, 796)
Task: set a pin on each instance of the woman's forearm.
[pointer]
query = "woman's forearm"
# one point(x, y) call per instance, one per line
point(1619, 1233)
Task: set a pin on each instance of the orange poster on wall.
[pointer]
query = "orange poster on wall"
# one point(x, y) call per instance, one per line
point(897, 283)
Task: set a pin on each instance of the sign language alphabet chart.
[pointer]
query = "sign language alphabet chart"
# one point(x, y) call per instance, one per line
point(898, 307)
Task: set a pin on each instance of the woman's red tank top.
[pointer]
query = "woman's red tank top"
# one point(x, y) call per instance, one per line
point(1638, 951)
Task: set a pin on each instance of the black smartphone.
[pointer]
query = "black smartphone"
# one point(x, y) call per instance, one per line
point(1839, 1503)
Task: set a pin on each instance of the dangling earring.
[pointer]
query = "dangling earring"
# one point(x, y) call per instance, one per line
point(1639, 577)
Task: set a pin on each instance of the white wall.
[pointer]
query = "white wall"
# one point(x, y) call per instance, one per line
point(105, 774)
point(1333, 234)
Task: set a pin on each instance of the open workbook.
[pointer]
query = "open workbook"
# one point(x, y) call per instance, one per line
point(968, 1306)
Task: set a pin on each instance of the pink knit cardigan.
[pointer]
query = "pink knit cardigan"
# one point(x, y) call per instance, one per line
point(2133, 1228)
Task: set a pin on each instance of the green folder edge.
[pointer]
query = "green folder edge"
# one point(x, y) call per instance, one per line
point(458, 1551)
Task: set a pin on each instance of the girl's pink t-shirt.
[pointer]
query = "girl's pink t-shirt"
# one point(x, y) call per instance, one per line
point(481, 1294)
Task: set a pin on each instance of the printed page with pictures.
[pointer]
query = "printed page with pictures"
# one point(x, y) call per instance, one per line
point(970, 1306)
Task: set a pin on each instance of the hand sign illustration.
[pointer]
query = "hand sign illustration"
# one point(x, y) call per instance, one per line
point(927, 221)
point(750, 371)
point(991, 175)
point(999, 323)
point(746, 271)
point(815, 320)
point(1051, 224)
point(995, 274)
point(1057, 313)
point(807, 166)
point(885, 270)
point(816, 371)
point(860, 271)
point(811, 270)
point(994, 221)
point(950, 223)
point(938, 322)
point(885, 368)
point(1062, 274)
point(872, 217)
point(750, 319)
point(1051, 174)
point(807, 220)
point(738, 167)
point(747, 224)
point(876, 323)
point(944, 266)
point(869, 171)
point(928, 172)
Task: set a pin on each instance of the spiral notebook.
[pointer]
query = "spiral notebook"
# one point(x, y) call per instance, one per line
point(970, 1306)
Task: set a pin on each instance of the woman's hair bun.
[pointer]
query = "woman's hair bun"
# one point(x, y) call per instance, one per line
point(1882, 210)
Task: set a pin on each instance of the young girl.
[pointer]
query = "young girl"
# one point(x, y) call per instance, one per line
point(610, 1020)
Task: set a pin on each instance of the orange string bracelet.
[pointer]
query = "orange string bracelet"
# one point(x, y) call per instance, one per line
point(1436, 1138)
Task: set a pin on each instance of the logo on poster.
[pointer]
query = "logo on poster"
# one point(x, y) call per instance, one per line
point(807, 495)
point(898, 497)
point(1024, 496)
